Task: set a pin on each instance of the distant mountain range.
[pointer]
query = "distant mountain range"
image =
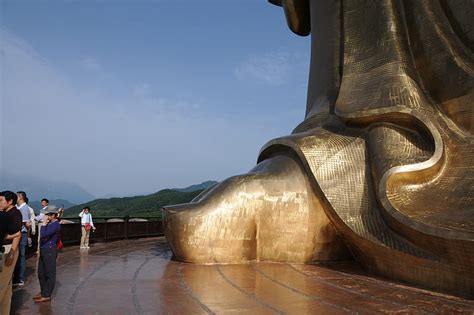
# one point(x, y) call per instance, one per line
point(140, 206)
point(74, 197)
point(38, 188)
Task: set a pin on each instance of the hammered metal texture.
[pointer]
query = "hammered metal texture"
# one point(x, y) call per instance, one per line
point(382, 167)
point(257, 216)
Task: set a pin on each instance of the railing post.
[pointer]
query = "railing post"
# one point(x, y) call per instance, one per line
point(105, 230)
point(126, 219)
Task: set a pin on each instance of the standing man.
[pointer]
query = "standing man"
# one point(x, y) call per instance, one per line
point(19, 274)
point(86, 225)
point(10, 225)
point(40, 218)
point(32, 230)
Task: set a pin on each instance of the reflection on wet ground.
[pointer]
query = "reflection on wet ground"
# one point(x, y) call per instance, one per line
point(139, 277)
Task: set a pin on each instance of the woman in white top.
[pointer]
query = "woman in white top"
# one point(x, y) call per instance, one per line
point(86, 226)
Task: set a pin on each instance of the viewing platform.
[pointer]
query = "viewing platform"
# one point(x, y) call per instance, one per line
point(139, 277)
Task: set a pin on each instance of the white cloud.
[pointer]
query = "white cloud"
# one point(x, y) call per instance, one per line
point(91, 64)
point(147, 99)
point(146, 142)
point(269, 68)
point(142, 89)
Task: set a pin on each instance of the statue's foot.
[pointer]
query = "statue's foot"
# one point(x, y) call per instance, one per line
point(269, 213)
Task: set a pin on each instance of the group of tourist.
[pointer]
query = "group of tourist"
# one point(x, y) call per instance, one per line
point(18, 224)
point(16, 227)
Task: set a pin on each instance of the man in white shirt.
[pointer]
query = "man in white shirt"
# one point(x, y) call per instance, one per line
point(40, 218)
point(86, 225)
point(32, 230)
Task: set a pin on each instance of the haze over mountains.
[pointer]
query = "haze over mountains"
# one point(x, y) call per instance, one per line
point(38, 188)
point(74, 197)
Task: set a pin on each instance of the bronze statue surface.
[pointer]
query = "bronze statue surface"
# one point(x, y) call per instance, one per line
point(382, 167)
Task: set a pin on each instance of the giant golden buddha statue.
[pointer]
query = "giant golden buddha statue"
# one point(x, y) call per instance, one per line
point(382, 167)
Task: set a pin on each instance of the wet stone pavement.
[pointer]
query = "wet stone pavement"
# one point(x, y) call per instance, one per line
point(139, 277)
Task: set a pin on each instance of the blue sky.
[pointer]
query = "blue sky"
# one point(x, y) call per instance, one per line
point(129, 97)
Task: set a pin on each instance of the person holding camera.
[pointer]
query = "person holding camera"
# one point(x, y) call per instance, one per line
point(50, 234)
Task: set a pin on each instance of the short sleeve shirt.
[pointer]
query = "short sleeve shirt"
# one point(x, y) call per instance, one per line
point(7, 226)
point(14, 216)
point(25, 215)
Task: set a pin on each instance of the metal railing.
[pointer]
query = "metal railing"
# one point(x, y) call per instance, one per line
point(112, 228)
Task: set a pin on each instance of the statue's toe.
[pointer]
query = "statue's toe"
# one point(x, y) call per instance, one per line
point(212, 230)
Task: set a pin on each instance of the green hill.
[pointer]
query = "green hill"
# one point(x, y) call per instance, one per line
point(138, 206)
point(200, 186)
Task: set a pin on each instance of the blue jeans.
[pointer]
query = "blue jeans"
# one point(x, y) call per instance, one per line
point(19, 274)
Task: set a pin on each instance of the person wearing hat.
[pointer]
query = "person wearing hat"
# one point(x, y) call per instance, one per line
point(48, 252)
